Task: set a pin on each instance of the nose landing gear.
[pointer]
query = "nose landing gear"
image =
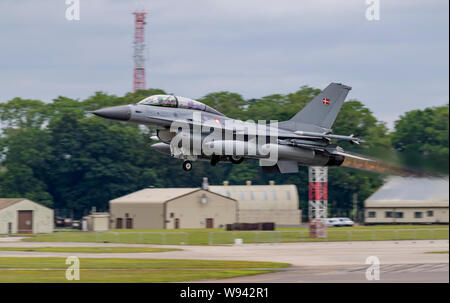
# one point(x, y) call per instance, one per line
point(187, 165)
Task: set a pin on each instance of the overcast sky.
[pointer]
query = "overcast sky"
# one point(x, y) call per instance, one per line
point(252, 47)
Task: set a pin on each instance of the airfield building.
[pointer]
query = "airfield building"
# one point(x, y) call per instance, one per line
point(97, 221)
point(24, 216)
point(206, 207)
point(263, 203)
point(172, 208)
point(409, 200)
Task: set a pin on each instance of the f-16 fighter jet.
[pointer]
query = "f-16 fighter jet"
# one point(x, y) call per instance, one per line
point(190, 130)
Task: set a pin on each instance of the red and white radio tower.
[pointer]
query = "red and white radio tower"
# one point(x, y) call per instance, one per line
point(139, 48)
point(318, 201)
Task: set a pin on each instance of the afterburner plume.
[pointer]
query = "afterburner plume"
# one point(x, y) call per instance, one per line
point(385, 167)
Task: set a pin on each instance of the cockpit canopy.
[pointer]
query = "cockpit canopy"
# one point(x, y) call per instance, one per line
point(178, 102)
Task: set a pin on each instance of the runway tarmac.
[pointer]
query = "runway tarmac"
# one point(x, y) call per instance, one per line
point(391, 273)
point(400, 261)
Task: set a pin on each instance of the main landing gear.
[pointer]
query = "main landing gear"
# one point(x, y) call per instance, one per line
point(187, 165)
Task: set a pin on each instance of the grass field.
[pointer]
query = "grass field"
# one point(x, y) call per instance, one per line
point(219, 236)
point(89, 249)
point(53, 270)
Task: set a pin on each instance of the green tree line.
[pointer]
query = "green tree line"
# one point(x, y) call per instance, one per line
point(61, 156)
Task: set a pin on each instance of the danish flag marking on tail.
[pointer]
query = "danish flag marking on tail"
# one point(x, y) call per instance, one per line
point(326, 101)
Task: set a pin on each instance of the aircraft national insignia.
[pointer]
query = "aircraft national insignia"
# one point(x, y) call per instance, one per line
point(326, 101)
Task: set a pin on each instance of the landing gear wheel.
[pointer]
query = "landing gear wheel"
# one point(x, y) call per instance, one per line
point(236, 159)
point(187, 165)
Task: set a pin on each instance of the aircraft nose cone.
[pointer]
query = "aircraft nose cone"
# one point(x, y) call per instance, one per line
point(122, 113)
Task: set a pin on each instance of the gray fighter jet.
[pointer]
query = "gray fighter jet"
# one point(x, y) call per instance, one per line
point(190, 130)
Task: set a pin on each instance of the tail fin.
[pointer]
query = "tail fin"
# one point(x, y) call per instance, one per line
point(324, 108)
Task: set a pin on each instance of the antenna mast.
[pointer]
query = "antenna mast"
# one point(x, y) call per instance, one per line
point(139, 49)
point(318, 201)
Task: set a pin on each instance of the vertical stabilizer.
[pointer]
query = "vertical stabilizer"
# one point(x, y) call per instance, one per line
point(324, 108)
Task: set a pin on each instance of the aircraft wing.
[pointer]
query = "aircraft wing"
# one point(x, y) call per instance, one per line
point(244, 128)
point(252, 129)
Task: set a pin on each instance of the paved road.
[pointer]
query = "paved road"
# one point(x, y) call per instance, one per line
point(297, 254)
point(391, 273)
point(10, 239)
point(401, 261)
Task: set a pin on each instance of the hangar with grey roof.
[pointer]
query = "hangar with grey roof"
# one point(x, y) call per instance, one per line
point(409, 200)
point(263, 203)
